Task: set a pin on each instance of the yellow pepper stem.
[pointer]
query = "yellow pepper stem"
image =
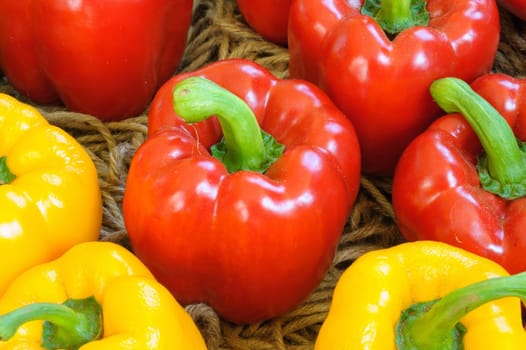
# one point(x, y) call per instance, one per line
point(67, 326)
point(435, 325)
point(5, 174)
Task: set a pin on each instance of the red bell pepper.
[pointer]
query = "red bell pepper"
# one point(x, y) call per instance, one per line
point(206, 217)
point(463, 180)
point(377, 63)
point(267, 17)
point(515, 7)
point(104, 58)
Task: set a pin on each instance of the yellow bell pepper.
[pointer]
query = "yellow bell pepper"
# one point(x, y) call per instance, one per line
point(49, 193)
point(97, 295)
point(425, 295)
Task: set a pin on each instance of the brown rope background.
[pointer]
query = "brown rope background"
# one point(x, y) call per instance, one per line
point(218, 32)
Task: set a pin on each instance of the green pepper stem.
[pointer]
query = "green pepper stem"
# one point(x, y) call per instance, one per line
point(395, 11)
point(5, 174)
point(394, 16)
point(431, 330)
point(66, 326)
point(506, 162)
point(196, 99)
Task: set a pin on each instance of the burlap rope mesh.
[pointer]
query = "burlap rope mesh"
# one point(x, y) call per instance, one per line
point(218, 32)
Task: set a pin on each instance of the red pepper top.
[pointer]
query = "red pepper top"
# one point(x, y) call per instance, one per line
point(443, 185)
point(250, 243)
point(380, 80)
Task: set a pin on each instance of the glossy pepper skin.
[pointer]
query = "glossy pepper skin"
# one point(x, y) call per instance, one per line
point(137, 311)
point(49, 191)
point(392, 279)
point(437, 191)
point(380, 83)
point(516, 7)
point(251, 244)
point(267, 17)
point(104, 58)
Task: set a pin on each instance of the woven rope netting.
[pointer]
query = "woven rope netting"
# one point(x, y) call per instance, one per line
point(218, 32)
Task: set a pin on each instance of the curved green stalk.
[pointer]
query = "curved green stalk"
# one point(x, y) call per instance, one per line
point(435, 325)
point(244, 146)
point(502, 169)
point(67, 326)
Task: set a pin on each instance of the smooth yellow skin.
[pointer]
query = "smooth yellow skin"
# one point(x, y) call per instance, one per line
point(138, 312)
point(55, 200)
point(373, 291)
